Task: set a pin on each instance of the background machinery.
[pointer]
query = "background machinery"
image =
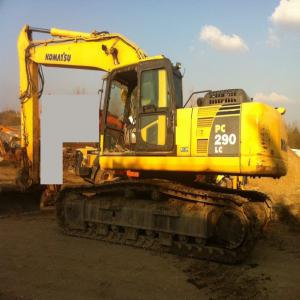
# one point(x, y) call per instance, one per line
point(156, 149)
point(9, 143)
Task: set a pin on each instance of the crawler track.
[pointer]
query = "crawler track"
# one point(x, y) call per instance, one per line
point(196, 220)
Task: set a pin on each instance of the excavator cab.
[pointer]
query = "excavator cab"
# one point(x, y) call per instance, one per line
point(139, 114)
point(140, 106)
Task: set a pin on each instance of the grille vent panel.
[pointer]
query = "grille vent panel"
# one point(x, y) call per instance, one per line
point(204, 122)
point(202, 145)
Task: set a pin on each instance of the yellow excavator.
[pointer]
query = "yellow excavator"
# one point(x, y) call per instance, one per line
point(157, 148)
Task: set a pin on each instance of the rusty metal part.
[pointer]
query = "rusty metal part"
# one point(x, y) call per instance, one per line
point(166, 216)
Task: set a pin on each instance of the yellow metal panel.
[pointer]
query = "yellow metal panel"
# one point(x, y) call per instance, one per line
point(162, 88)
point(161, 139)
point(81, 55)
point(101, 144)
point(86, 55)
point(69, 33)
point(263, 139)
point(123, 64)
point(103, 51)
point(207, 111)
point(202, 120)
point(183, 131)
point(171, 163)
point(204, 127)
point(97, 36)
point(30, 118)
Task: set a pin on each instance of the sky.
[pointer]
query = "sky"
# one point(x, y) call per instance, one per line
point(254, 45)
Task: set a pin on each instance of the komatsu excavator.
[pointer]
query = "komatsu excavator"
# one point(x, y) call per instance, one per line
point(157, 148)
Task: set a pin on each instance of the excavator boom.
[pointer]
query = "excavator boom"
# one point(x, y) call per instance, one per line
point(67, 49)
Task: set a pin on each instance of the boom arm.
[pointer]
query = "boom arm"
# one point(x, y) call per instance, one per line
point(68, 49)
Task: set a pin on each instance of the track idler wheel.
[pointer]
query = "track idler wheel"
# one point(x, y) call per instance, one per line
point(231, 229)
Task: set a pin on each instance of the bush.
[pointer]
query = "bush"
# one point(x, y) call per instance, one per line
point(293, 136)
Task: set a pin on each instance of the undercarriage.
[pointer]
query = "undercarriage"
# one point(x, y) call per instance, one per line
point(195, 220)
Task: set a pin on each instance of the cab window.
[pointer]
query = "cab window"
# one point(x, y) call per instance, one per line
point(154, 89)
point(154, 96)
point(178, 90)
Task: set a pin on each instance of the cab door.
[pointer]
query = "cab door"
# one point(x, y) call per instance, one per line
point(156, 109)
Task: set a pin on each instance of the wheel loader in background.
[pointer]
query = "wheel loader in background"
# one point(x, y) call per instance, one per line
point(156, 148)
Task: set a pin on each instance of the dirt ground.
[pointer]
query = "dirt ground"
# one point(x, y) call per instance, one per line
point(38, 262)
